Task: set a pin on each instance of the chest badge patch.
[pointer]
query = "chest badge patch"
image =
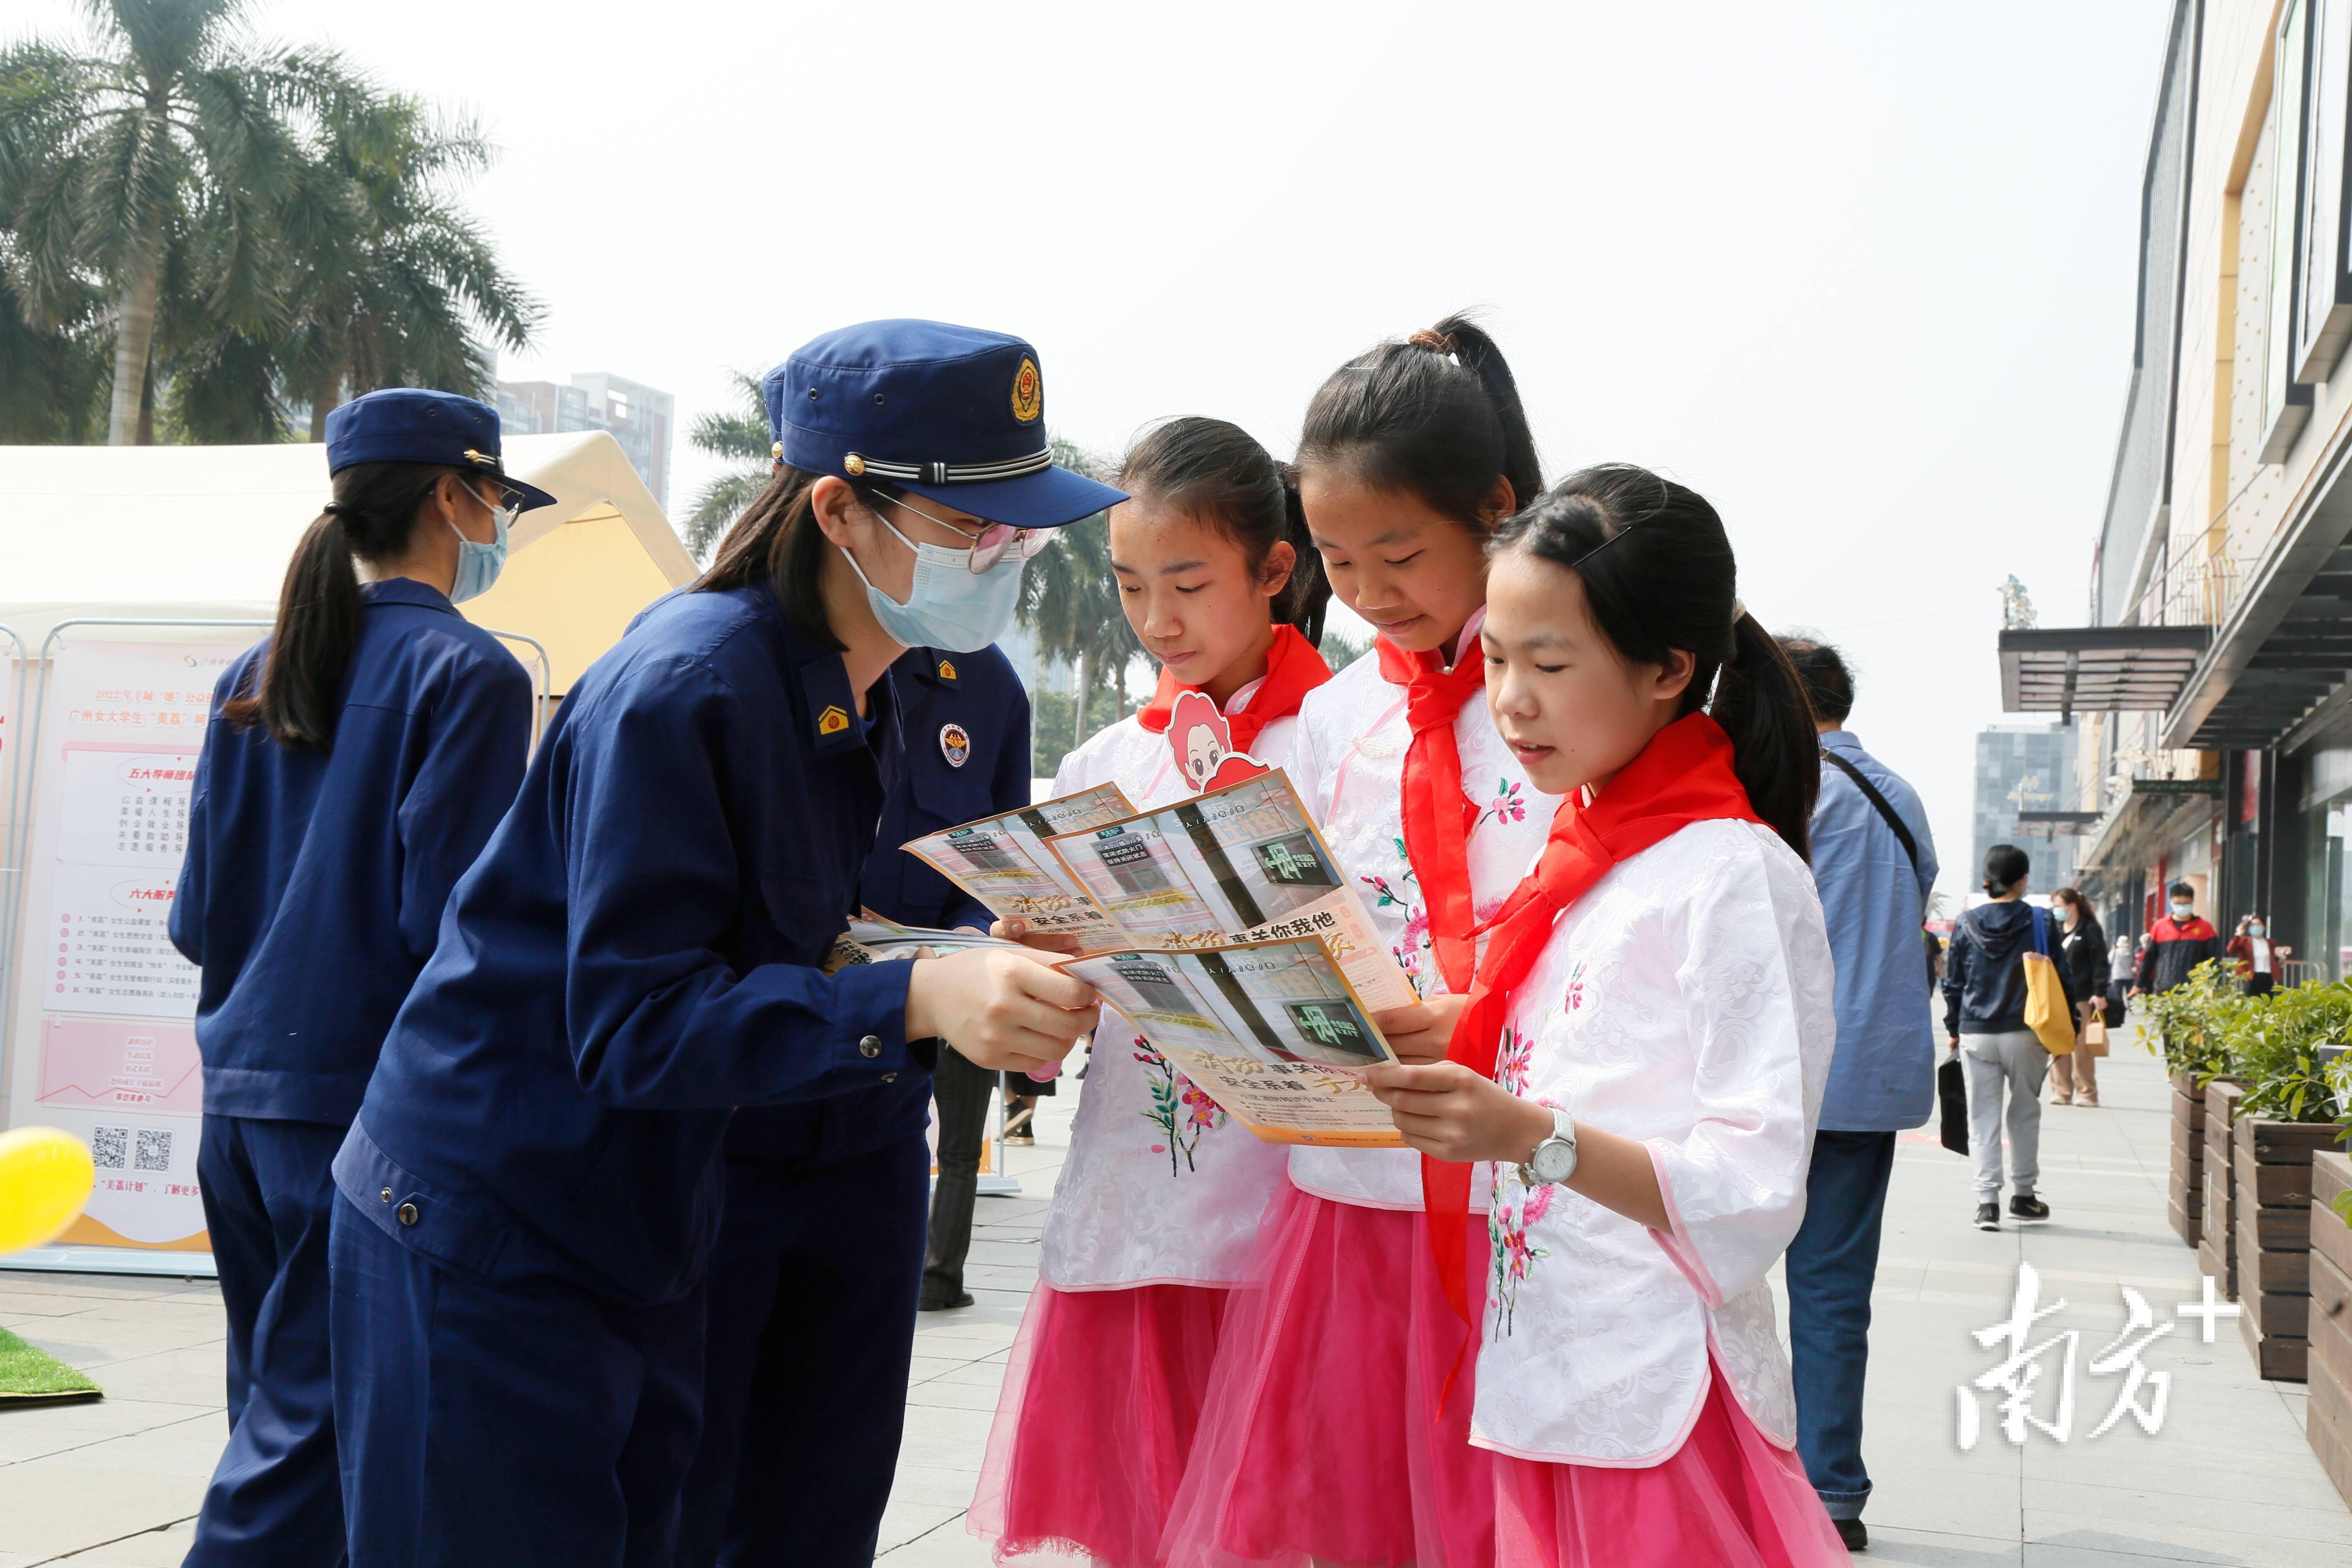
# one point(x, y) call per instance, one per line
point(955, 746)
point(833, 721)
point(1028, 393)
point(947, 669)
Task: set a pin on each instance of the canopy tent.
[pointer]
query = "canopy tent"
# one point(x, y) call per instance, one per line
point(205, 532)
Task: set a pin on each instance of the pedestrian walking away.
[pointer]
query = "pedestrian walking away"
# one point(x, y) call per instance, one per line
point(1985, 998)
point(1874, 862)
point(357, 761)
point(531, 1191)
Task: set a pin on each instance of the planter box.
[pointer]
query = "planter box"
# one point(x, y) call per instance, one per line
point(2217, 1251)
point(2329, 1417)
point(2184, 1195)
point(2188, 1100)
point(2270, 1179)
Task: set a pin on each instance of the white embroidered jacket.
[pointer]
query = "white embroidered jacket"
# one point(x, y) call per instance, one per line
point(1684, 1001)
point(1159, 1188)
point(1348, 763)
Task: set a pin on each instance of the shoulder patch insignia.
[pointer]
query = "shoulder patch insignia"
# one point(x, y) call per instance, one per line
point(832, 721)
point(1028, 393)
point(955, 746)
point(947, 669)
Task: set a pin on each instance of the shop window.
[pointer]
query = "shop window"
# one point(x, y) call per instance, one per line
point(2323, 286)
point(2322, 924)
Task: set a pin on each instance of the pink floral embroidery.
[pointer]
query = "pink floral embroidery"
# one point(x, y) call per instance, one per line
point(1510, 1251)
point(1507, 804)
point(1178, 1108)
point(1576, 986)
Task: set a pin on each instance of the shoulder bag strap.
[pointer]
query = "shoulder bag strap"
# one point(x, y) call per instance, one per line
point(1870, 793)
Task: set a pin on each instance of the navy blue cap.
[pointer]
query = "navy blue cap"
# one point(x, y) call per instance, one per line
point(951, 412)
point(414, 424)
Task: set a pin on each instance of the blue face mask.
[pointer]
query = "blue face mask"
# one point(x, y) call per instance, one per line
point(948, 606)
point(478, 565)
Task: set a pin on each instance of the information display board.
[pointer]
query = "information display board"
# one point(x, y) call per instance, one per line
point(104, 1035)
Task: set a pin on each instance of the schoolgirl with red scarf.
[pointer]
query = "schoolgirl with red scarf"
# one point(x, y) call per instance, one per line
point(1635, 1079)
point(1329, 1434)
point(1155, 1213)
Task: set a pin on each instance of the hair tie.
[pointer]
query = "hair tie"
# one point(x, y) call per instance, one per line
point(342, 512)
point(1738, 610)
point(1434, 341)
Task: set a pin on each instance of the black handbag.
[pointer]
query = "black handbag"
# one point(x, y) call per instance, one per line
point(1952, 1092)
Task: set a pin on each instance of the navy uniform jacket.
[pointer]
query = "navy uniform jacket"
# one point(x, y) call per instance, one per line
point(313, 885)
point(635, 952)
point(970, 704)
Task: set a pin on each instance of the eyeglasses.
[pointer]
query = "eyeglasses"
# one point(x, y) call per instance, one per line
point(990, 546)
point(507, 507)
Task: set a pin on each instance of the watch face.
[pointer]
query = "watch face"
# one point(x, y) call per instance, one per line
point(1554, 1162)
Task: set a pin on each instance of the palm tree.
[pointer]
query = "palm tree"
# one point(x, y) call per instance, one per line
point(395, 273)
point(162, 147)
point(1069, 598)
point(739, 436)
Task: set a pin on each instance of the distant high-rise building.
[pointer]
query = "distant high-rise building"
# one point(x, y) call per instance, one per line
point(639, 416)
point(2025, 767)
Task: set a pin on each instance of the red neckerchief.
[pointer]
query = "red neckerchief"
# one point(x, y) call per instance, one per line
point(1684, 775)
point(1293, 668)
point(1437, 817)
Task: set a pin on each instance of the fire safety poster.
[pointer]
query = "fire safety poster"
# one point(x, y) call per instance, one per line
point(104, 1042)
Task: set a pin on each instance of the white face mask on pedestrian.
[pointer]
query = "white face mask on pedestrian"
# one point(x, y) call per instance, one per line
point(2183, 910)
point(949, 605)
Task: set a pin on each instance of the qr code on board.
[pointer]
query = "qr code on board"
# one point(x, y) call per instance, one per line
point(110, 1147)
point(155, 1151)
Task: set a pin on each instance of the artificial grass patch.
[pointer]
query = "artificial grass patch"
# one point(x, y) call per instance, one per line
point(26, 1374)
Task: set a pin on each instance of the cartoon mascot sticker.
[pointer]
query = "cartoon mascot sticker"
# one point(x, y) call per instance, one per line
point(1204, 745)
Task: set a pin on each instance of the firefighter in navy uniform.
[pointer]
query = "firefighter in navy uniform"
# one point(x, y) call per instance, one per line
point(800, 1441)
point(531, 1191)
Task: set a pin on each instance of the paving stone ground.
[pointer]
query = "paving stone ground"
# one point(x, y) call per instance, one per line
point(2228, 1478)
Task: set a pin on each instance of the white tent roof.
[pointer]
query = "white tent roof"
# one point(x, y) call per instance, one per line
point(205, 532)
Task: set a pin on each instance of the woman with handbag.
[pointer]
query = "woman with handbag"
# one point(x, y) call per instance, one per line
point(2082, 954)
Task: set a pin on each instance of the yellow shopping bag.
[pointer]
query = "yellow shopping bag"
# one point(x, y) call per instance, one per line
point(2046, 1013)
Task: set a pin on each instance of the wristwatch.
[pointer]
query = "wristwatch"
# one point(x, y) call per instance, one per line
point(1554, 1160)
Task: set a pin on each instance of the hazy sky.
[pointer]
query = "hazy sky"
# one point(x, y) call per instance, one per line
point(1862, 274)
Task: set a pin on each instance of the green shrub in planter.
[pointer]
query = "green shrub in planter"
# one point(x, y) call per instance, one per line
point(2190, 1025)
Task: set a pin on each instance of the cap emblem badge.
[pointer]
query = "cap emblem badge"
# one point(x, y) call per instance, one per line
point(1028, 391)
point(955, 746)
point(832, 721)
point(853, 465)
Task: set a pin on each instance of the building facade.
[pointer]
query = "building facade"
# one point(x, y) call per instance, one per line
point(2213, 678)
point(640, 417)
point(2026, 769)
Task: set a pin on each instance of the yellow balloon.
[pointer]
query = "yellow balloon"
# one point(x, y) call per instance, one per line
point(45, 1177)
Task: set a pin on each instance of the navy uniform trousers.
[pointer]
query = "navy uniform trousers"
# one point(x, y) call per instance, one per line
point(471, 1411)
point(812, 1326)
point(275, 1496)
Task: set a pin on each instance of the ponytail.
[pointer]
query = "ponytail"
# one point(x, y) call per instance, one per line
point(1760, 700)
point(1216, 472)
point(1437, 416)
point(1667, 581)
point(1307, 594)
point(299, 694)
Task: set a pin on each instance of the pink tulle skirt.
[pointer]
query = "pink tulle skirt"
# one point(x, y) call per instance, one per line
point(1322, 1435)
point(1729, 1497)
point(1102, 1394)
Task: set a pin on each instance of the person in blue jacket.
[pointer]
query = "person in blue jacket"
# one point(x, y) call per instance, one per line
point(823, 1236)
point(533, 1187)
point(356, 763)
